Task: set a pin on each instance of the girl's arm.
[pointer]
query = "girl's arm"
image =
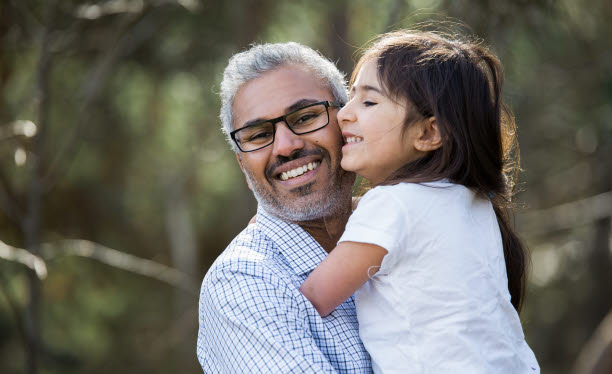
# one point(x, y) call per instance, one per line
point(340, 274)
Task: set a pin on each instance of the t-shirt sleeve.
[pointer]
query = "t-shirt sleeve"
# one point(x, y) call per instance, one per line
point(379, 219)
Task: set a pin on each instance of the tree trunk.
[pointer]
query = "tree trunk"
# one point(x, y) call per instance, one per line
point(596, 356)
point(32, 225)
point(183, 250)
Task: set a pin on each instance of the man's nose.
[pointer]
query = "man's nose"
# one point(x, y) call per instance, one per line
point(285, 141)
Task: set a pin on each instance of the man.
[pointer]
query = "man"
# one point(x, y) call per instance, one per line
point(279, 106)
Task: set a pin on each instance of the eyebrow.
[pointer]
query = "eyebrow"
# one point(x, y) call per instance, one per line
point(366, 87)
point(295, 106)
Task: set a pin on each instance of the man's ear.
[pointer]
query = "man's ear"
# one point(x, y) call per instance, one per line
point(429, 138)
point(244, 172)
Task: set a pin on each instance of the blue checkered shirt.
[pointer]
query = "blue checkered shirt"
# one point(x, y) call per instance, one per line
point(253, 318)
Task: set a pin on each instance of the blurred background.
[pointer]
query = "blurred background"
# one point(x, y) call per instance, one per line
point(117, 189)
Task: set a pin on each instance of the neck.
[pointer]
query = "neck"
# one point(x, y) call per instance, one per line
point(328, 230)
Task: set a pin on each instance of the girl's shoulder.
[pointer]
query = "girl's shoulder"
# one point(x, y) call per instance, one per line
point(407, 190)
point(416, 197)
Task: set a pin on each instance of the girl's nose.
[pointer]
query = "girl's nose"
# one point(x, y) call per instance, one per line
point(346, 114)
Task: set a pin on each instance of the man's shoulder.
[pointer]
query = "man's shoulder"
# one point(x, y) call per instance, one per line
point(250, 255)
point(251, 246)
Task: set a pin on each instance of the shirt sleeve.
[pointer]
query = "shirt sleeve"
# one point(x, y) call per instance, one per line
point(379, 219)
point(249, 324)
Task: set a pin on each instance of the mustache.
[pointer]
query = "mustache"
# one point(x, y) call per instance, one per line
point(280, 160)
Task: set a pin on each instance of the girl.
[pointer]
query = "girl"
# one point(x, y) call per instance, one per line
point(437, 272)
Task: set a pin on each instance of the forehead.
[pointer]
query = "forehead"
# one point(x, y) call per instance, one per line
point(367, 75)
point(271, 94)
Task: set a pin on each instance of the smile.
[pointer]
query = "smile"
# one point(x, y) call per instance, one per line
point(299, 170)
point(353, 139)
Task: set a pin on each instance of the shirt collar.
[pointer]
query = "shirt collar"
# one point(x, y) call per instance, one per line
point(300, 249)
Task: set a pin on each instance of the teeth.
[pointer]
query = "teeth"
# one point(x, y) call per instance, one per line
point(299, 170)
point(354, 139)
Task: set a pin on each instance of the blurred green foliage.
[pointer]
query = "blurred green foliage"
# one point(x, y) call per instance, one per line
point(128, 154)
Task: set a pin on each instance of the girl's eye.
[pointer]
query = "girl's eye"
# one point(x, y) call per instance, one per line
point(369, 103)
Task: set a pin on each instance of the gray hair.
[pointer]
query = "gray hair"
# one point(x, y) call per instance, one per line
point(261, 58)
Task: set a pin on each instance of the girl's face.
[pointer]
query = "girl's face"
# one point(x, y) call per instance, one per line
point(371, 125)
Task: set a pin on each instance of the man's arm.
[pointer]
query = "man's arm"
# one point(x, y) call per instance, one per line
point(252, 324)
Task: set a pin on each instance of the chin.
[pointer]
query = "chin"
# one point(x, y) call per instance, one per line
point(346, 165)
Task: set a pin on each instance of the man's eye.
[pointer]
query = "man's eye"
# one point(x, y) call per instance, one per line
point(305, 118)
point(258, 136)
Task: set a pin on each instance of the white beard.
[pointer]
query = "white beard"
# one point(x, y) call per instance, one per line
point(335, 199)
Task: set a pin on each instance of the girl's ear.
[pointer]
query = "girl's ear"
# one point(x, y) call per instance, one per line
point(429, 138)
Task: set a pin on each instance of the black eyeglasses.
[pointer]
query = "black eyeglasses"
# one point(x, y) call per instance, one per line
point(302, 121)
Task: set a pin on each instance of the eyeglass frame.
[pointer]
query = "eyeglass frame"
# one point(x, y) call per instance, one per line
point(283, 118)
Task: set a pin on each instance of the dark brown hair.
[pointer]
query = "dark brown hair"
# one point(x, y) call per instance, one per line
point(458, 83)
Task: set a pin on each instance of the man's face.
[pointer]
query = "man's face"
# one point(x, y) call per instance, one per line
point(298, 177)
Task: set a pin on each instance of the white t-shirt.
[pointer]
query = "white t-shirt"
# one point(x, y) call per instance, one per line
point(440, 301)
